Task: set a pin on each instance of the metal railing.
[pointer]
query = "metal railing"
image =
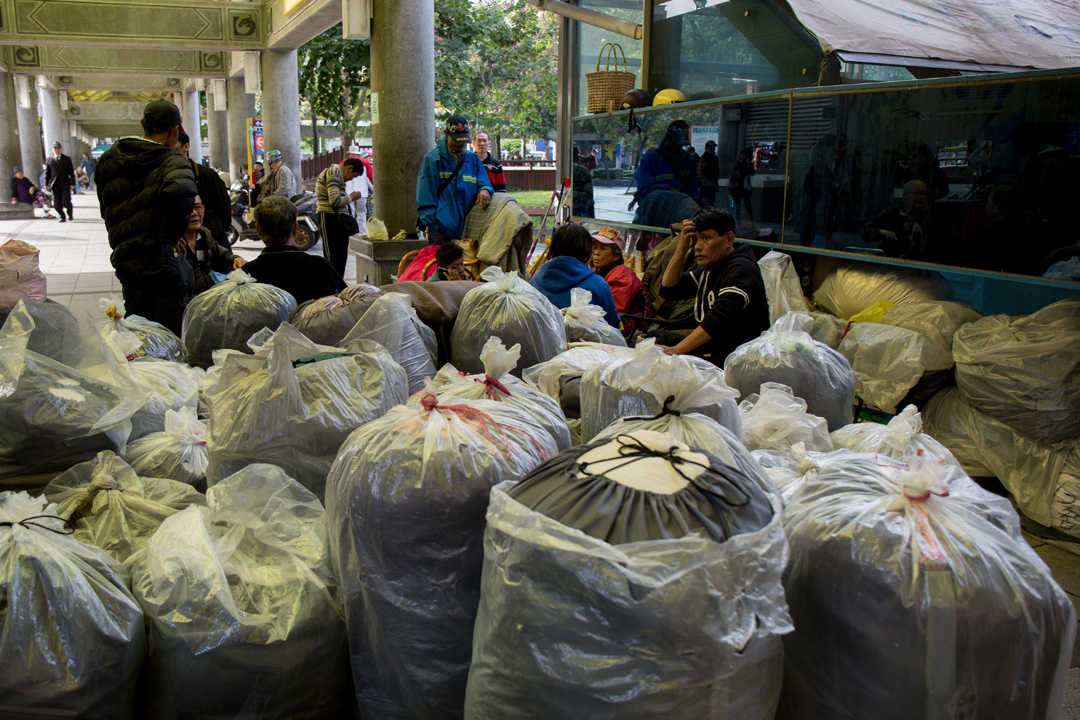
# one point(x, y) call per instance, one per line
point(310, 169)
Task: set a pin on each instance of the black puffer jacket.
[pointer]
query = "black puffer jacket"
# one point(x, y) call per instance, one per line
point(147, 192)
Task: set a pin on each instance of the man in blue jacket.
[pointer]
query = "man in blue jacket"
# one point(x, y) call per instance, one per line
point(452, 179)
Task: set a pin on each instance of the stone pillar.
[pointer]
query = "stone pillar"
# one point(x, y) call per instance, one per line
point(30, 147)
point(217, 132)
point(10, 150)
point(405, 83)
point(52, 130)
point(193, 123)
point(281, 105)
point(241, 107)
point(72, 147)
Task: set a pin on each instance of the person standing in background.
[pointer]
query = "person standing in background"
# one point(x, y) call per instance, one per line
point(494, 169)
point(708, 171)
point(332, 203)
point(740, 188)
point(60, 178)
point(88, 165)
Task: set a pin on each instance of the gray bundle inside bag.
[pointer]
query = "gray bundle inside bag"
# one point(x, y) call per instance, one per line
point(329, 319)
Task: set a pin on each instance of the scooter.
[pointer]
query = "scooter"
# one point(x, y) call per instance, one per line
point(239, 229)
point(307, 220)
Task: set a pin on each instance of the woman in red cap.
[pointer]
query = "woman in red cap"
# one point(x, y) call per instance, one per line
point(607, 261)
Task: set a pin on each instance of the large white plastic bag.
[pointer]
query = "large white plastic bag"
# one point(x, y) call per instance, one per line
point(71, 634)
point(155, 340)
point(20, 276)
point(915, 597)
point(240, 608)
point(639, 385)
point(551, 377)
point(327, 320)
point(785, 354)
point(782, 286)
point(1044, 479)
point(268, 408)
point(585, 322)
point(852, 287)
point(887, 361)
point(405, 505)
point(112, 507)
point(572, 626)
point(172, 386)
point(499, 385)
point(902, 439)
point(177, 453)
point(226, 315)
point(775, 420)
point(1025, 371)
point(938, 321)
point(392, 323)
point(507, 307)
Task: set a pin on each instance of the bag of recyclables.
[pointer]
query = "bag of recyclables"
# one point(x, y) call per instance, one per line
point(72, 640)
point(854, 286)
point(392, 323)
point(630, 578)
point(938, 322)
point(507, 307)
point(177, 453)
point(887, 361)
point(585, 322)
point(901, 439)
point(782, 286)
point(405, 504)
point(329, 319)
point(776, 420)
point(155, 340)
point(240, 607)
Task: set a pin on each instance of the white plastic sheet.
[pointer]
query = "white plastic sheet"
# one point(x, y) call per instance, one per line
point(392, 323)
point(782, 285)
point(938, 322)
point(887, 361)
point(172, 386)
point(178, 452)
point(20, 276)
point(155, 340)
point(853, 286)
point(574, 362)
point(585, 322)
point(776, 420)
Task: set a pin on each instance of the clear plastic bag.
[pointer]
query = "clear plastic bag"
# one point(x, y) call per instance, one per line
point(938, 322)
point(20, 276)
point(585, 322)
point(639, 386)
point(915, 596)
point(786, 354)
point(172, 386)
point(112, 507)
point(1025, 371)
point(549, 377)
point(293, 403)
point(854, 286)
point(240, 607)
point(405, 506)
point(902, 439)
point(155, 340)
point(775, 420)
point(887, 361)
point(782, 286)
point(392, 323)
point(507, 307)
point(329, 319)
point(72, 640)
point(226, 315)
point(178, 453)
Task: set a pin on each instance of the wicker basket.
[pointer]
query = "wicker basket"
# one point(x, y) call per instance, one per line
point(607, 86)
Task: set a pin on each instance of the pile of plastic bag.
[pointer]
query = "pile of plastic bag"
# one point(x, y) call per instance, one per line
point(329, 319)
point(585, 322)
point(901, 439)
point(293, 403)
point(938, 322)
point(782, 286)
point(776, 420)
point(155, 340)
point(507, 307)
point(178, 452)
point(854, 286)
point(631, 579)
point(226, 315)
point(405, 507)
point(786, 354)
point(914, 595)
point(72, 640)
point(392, 323)
point(887, 361)
point(172, 386)
point(239, 606)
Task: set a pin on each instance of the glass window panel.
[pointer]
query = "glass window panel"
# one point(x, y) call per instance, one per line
point(591, 39)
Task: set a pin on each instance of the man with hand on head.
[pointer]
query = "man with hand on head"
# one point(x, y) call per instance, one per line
point(452, 179)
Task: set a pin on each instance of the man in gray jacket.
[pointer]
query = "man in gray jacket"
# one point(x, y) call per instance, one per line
point(280, 179)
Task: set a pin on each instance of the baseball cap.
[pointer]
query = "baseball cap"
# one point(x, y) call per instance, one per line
point(57, 144)
point(609, 236)
point(711, 142)
point(458, 127)
point(273, 155)
point(163, 113)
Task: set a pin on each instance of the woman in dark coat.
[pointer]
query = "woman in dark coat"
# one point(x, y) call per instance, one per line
point(203, 253)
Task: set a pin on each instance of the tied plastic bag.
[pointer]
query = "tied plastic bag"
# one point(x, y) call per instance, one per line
point(178, 453)
point(20, 276)
point(902, 439)
point(776, 420)
point(887, 361)
point(293, 403)
point(172, 386)
point(376, 230)
point(155, 340)
point(551, 377)
point(240, 608)
point(782, 286)
point(1025, 371)
point(786, 354)
point(789, 471)
point(854, 286)
point(938, 322)
point(392, 323)
point(902, 582)
point(112, 507)
point(507, 307)
point(71, 634)
point(405, 505)
point(226, 315)
point(499, 385)
point(605, 600)
point(639, 386)
point(327, 320)
point(585, 322)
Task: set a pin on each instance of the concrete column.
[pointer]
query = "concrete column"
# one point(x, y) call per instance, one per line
point(241, 107)
point(281, 105)
point(193, 123)
point(72, 148)
point(217, 131)
point(51, 127)
point(405, 83)
point(30, 147)
point(10, 150)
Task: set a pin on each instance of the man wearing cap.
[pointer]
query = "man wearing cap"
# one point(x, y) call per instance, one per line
point(60, 178)
point(147, 194)
point(452, 179)
point(280, 179)
point(708, 171)
point(607, 262)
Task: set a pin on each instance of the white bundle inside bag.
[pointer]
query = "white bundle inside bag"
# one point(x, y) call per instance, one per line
point(329, 319)
point(776, 420)
point(902, 439)
point(782, 286)
point(294, 402)
point(229, 313)
point(938, 322)
point(499, 385)
point(585, 322)
point(619, 389)
point(507, 307)
point(173, 386)
point(852, 287)
point(405, 506)
point(155, 340)
point(392, 323)
point(887, 361)
point(178, 452)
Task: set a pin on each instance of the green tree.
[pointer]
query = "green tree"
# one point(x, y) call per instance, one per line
point(335, 79)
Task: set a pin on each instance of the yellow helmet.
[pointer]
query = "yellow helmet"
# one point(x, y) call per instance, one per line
point(671, 95)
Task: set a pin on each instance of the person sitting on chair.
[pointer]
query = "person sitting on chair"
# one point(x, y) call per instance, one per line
point(607, 261)
point(449, 263)
point(571, 247)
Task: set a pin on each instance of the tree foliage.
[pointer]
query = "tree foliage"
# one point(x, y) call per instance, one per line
point(335, 78)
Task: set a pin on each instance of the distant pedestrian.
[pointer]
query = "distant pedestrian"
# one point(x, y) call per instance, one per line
point(332, 203)
point(495, 172)
point(740, 187)
point(452, 179)
point(60, 178)
point(708, 171)
point(280, 180)
point(88, 165)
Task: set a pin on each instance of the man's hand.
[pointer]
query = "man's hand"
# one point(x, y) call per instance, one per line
point(33, 189)
point(484, 198)
point(686, 235)
point(668, 350)
point(453, 274)
point(238, 263)
point(355, 195)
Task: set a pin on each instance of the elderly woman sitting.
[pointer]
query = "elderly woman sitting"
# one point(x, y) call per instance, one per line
point(607, 261)
point(203, 253)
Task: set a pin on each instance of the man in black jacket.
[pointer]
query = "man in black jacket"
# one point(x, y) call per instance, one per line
point(730, 304)
point(147, 192)
point(60, 178)
point(217, 215)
